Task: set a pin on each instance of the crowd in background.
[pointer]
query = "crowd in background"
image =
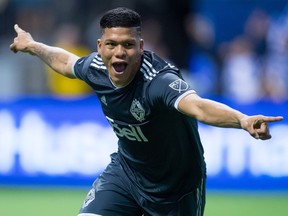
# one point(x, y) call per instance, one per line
point(248, 66)
point(252, 65)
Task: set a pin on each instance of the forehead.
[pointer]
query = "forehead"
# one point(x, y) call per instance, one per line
point(118, 33)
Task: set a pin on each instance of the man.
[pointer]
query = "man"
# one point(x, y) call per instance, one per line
point(159, 168)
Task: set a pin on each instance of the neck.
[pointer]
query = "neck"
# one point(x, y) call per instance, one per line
point(119, 85)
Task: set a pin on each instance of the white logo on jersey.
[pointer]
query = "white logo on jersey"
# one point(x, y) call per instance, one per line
point(103, 100)
point(89, 198)
point(137, 110)
point(133, 133)
point(179, 85)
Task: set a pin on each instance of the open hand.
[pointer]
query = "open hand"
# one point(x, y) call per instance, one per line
point(257, 125)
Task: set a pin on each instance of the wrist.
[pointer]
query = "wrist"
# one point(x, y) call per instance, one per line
point(243, 121)
point(34, 47)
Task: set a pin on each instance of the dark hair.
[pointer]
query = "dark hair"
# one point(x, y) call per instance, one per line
point(120, 17)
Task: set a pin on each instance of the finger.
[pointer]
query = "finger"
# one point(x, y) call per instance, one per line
point(265, 136)
point(13, 48)
point(253, 133)
point(262, 136)
point(272, 118)
point(264, 132)
point(264, 127)
point(18, 29)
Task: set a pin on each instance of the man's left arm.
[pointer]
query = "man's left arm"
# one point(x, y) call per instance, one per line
point(220, 115)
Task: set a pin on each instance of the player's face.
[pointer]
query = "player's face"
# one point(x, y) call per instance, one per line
point(121, 50)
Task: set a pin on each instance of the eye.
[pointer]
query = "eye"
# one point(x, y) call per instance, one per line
point(110, 44)
point(128, 45)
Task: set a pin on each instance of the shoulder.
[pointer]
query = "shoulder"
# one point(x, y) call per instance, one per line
point(154, 66)
point(85, 65)
point(97, 62)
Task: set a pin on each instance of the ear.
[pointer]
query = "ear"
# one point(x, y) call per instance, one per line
point(99, 46)
point(142, 45)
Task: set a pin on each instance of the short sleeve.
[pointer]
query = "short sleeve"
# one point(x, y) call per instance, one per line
point(168, 89)
point(81, 66)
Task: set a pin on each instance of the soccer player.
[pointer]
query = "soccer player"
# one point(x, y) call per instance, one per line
point(159, 168)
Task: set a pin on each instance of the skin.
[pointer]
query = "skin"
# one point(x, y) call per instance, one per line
point(121, 45)
point(124, 46)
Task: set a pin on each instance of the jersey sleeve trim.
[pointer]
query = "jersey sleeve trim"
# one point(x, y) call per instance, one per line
point(73, 70)
point(176, 104)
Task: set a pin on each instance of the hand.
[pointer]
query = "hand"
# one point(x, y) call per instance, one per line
point(257, 125)
point(21, 41)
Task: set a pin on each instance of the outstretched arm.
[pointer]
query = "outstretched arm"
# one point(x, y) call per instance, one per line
point(220, 115)
point(58, 59)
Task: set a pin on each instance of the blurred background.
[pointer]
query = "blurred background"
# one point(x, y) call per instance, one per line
point(54, 139)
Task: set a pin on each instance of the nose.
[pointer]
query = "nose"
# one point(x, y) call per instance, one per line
point(120, 51)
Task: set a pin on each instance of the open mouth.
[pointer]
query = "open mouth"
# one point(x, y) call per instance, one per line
point(119, 67)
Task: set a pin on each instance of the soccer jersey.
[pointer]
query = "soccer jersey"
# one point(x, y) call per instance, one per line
point(159, 147)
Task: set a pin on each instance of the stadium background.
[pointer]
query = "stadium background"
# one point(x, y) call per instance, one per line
point(54, 139)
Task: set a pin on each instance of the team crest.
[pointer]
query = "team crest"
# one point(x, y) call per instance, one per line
point(137, 110)
point(179, 85)
point(89, 198)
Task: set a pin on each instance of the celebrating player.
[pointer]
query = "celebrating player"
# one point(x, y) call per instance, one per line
point(159, 168)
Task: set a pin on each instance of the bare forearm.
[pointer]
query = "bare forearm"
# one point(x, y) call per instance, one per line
point(211, 112)
point(218, 114)
point(58, 59)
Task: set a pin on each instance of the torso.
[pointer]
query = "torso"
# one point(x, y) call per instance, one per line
point(159, 147)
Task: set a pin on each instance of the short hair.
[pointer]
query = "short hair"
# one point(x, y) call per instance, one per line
point(121, 17)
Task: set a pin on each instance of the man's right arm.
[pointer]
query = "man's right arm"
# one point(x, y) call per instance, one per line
point(58, 59)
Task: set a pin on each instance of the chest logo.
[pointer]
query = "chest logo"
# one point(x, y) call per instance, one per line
point(179, 85)
point(137, 110)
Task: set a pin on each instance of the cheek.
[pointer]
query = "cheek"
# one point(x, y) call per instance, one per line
point(105, 55)
point(138, 57)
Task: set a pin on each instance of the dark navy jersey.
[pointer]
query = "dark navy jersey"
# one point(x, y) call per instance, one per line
point(159, 147)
